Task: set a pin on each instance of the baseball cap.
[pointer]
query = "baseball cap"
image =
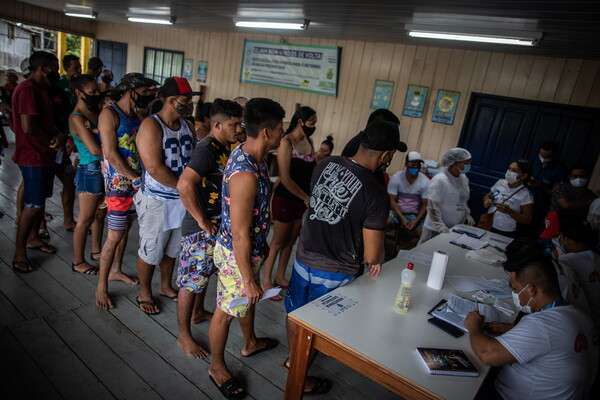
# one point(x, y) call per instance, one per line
point(176, 86)
point(382, 136)
point(130, 81)
point(552, 226)
point(414, 156)
point(95, 63)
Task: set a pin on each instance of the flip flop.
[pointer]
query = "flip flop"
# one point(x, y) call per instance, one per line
point(21, 263)
point(174, 298)
point(89, 271)
point(229, 387)
point(146, 303)
point(93, 255)
point(321, 386)
point(70, 229)
point(269, 344)
point(44, 248)
point(44, 234)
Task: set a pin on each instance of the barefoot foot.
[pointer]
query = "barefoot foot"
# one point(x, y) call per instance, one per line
point(201, 316)
point(191, 348)
point(120, 276)
point(103, 300)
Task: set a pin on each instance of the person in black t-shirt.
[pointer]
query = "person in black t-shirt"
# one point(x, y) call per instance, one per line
point(347, 215)
point(199, 187)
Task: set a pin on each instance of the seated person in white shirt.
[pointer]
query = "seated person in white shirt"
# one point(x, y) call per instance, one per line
point(550, 353)
point(510, 200)
point(576, 250)
point(408, 200)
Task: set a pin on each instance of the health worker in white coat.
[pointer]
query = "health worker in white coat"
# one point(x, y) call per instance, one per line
point(448, 195)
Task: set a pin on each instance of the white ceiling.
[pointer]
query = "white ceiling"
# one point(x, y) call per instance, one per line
point(571, 28)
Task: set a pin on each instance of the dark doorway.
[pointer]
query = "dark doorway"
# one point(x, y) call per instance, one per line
point(499, 130)
point(114, 56)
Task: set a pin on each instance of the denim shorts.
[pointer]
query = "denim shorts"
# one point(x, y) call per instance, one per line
point(37, 184)
point(88, 179)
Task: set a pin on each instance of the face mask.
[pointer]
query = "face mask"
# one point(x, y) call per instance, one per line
point(466, 169)
point(515, 296)
point(184, 109)
point(511, 177)
point(545, 160)
point(53, 77)
point(413, 171)
point(579, 182)
point(141, 101)
point(560, 248)
point(92, 101)
point(107, 79)
point(308, 131)
point(384, 166)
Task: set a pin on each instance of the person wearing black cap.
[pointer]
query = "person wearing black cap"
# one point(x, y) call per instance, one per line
point(95, 65)
point(118, 125)
point(344, 225)
point(165, 141)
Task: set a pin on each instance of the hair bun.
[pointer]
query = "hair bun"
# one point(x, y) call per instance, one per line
point(330, 138)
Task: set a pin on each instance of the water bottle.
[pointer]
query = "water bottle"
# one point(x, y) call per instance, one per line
point(403, 296)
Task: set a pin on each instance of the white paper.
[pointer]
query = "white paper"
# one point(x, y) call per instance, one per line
point(498, 288)
point(241, 301)
point(335, 303)
point(499, 238)
point(457, 308)
point(415, 257)
point(469, 230)
point(437, 271)
point(487, 256)
point(469, 243)
point(173, 213)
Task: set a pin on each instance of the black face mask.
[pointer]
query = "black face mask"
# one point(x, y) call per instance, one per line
point(107, 79)
point(53, 77)
point(141, 101)
point(92, 101)
point(184, 109)
point(308, 131)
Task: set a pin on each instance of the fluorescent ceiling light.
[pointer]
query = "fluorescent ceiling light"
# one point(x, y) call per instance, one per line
point(273, 25)
point(145, 20)
point(466, 37)
point(80, 15)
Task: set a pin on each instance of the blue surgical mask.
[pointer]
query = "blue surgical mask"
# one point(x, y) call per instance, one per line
point(466, 169)
point(413, 171)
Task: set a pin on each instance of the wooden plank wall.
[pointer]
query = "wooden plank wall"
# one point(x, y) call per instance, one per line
point(29, 14)
point(559, 80)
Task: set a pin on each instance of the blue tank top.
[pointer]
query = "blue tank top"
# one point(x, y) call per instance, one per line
point(85, 157)
point(177, 147)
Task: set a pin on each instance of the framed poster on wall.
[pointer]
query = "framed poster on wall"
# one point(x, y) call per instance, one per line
point(382, 94)
point(414, 104)
point(202, 71)
point(303, 67)
point(445, 107)
point(188, 68)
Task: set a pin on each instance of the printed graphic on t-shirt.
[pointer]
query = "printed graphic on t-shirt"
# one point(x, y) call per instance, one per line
point(333, 193)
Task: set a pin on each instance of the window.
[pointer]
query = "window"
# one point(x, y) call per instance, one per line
point(162, 64)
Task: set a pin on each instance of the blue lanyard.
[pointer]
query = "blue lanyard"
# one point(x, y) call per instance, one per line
point(553, 304)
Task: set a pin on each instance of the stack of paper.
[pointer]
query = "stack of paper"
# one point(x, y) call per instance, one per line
point(467, 242)
point(472, 231)
point(456, 309)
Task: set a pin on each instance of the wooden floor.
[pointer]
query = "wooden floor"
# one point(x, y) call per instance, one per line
point(56, 344)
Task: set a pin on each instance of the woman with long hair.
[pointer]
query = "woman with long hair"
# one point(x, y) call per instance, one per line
point(88, 179)
point(296, 161)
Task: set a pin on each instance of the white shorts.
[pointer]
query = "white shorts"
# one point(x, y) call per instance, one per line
point(154, 241)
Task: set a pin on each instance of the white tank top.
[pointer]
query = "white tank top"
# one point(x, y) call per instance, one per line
point(176, 151)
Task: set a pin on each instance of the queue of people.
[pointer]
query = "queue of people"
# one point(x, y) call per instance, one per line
point(203, 196)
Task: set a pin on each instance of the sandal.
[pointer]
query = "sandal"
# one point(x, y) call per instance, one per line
point(89, 271)
point(229, 388)
point(44, 234)
point(269, 344)
point(44, 248)
point(146, 303)
point(17, 266)
point(93, 255)
point(321, 386)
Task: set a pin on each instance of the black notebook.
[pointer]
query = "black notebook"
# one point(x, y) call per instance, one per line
point(446, 362)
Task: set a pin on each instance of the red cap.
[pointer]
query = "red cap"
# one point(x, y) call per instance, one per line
point(410, 266)
point(176, 86)
point(552, 227)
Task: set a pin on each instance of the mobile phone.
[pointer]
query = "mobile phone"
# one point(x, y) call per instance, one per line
point(446, 327)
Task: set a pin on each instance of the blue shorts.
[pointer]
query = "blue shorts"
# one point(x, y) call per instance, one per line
point(37, 184)
point(196, 262)
point(394, 220)
point(308, 284)
point(89, 179)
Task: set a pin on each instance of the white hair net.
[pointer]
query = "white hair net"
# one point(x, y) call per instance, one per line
point(454, 156)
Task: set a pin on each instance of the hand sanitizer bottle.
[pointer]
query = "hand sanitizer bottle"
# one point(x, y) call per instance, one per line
point(403, 296)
